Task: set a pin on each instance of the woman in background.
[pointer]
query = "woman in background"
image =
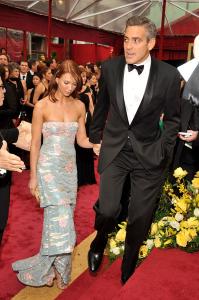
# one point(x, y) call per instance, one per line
point(42, 88)
point(29, 106)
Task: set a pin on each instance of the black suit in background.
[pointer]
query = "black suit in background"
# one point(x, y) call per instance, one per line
point(29, 82)
point(186, 157)
point(10, 136)
point(139, 149)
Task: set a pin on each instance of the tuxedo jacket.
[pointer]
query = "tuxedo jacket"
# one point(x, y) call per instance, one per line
point(9, 135)
point(29, 79)
point(153, 147)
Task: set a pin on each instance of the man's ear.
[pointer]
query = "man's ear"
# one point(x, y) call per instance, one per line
point(151, 43)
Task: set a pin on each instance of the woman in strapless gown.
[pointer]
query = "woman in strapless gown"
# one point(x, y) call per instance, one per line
point(60, 118)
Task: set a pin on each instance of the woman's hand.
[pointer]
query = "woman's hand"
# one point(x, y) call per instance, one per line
point(96, 149)
point(33, 186)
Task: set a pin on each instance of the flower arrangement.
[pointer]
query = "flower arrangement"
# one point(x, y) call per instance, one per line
point(176, 221)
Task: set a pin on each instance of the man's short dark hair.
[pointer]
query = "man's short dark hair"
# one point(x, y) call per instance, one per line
point(143, 21)
point(31, 63)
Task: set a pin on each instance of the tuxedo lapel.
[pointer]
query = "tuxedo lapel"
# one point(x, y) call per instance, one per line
point(119, 90)
point(148, 94)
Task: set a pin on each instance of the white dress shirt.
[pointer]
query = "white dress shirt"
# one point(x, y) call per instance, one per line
point(23, 76)
point(134, 86)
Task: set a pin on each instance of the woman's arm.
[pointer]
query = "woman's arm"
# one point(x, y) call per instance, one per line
point(39, 90)
point(81, 137)
point(91, 106)
point(29, 91)
point(37, 123)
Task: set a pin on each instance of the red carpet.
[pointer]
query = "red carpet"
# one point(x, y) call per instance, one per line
point(23, 233)
point(165, 275)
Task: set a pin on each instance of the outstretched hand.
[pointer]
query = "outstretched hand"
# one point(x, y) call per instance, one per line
point(10, 161)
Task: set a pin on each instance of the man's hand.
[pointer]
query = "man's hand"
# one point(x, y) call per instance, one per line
point(96, 148)
point(193, 137)
point(10, 161)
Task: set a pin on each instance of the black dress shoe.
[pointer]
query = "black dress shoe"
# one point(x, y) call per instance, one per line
point(125, 277)
point(94, 260)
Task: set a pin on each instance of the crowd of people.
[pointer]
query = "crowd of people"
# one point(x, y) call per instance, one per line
point(132, 111)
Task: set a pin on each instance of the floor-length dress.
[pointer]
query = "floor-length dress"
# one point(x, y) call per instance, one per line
point(57, 182)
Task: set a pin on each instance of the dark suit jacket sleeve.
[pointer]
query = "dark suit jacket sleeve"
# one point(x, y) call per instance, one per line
point(9, 135)
point(172, 113)
point(9, 108)
point(100, 111)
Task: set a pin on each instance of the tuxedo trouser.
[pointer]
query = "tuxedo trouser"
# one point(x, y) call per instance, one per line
point(145, 190)
point(5, 183)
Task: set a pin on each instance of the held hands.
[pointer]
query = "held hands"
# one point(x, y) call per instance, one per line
point(10, 161)
point(34, 188)
point(193, 136)
point(96, 149)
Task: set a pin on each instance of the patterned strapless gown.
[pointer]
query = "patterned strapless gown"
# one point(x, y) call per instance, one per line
point(57, 182)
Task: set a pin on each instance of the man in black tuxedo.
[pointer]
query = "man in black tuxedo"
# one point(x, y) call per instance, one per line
point(134, 90)
point(32, 64)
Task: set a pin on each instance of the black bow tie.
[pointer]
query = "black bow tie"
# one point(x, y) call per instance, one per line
point(139, 68)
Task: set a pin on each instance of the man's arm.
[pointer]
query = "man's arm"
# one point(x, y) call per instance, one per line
point(9, 135)
point(172, 113)
point(100, 111)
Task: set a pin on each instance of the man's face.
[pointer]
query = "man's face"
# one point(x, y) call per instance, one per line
point(136, 45)
point(23, 67)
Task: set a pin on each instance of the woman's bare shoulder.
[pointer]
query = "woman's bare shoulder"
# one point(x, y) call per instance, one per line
point(79, 104)
point(42, 103)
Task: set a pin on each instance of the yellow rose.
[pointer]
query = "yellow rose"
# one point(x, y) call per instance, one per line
point(179, 173)
point(112, 243)
point(143, 251)
point(157, 242)
point(121, 235)
point(195, 183)
point(184, 224)
point(182, 205)
point(192, 233)
point(182, 238)
point(193, 222)
point(161, 223)
point(154, 228)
